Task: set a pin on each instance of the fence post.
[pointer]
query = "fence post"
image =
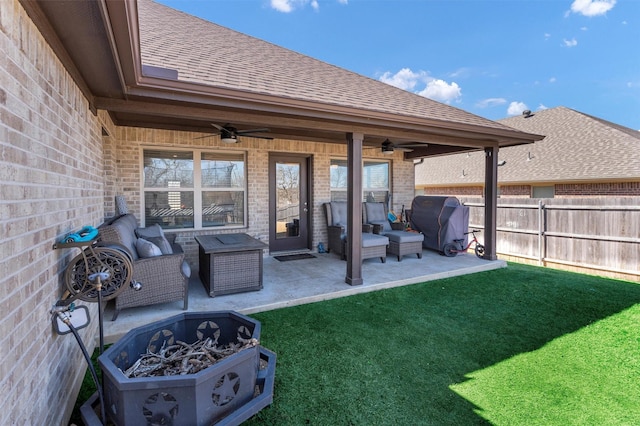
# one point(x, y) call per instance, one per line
point(540, 233)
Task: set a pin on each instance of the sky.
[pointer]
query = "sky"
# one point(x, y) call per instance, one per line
point(493, 58)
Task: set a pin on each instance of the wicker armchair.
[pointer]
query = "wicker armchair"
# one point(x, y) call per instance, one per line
point(336, 216)
point(164, 278)
point(400, 242)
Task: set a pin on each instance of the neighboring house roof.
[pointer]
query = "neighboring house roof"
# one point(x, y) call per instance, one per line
point(577, 148)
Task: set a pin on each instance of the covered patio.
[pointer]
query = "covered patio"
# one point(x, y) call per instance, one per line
point(303, 281)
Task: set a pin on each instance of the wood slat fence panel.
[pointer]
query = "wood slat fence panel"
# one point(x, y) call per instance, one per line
point(600, 233)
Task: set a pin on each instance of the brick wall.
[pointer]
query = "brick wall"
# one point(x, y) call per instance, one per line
point(52, 182)
point(515, 191)
point(604, 189)
point(455, 191)
point(124, 175)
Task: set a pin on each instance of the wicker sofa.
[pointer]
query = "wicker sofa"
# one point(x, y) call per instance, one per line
point(372, 245)
point(164, 275)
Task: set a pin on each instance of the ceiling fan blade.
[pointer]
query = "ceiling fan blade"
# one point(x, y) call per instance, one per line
point(205, 136)
point(218, 127)
point(246, 132)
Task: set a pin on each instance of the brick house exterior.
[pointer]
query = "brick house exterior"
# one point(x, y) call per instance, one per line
point(69, 143)
point(580, 156)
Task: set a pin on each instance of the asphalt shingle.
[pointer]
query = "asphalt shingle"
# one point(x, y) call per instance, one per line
point(577, 147)
point(206, 53)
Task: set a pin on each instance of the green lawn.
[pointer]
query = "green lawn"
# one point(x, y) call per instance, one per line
point(516, 346)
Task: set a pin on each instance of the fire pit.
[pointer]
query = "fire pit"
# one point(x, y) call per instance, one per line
point(230, 391)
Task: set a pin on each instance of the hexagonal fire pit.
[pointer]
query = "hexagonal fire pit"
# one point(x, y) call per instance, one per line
point(203, 398)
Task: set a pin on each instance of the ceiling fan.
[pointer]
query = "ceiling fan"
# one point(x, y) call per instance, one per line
point(388, 147)
point(229, 134)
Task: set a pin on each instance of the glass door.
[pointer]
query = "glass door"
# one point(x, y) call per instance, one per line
point(288, 202)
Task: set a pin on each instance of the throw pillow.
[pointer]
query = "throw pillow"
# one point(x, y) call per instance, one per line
point(155, 234)
point(147, 248)
point(162, 243)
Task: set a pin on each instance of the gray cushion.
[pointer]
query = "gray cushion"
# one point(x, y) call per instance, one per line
point(147, 248)
point(124, 227)
point(404, 237)
point(155, 234)
point(374, 240)
point(149, 231)
point(386, 227)
point(375, 213)
point(162, 243)
point(339, 214)
point(186, 269)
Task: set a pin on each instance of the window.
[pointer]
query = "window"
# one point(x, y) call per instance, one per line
point(543, 192)
point(194, 189)
point(375, 180)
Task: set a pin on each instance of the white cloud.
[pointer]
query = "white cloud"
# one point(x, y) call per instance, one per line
point(460, 73)
point(287, 6)
point(436, 89)
point(282, 5)
point(592, 7)
point(552, 80)
point(542, 107)
point(570, 43)
point(440, 90)
point(491, 102)
point(516, 108)
point(405, 78)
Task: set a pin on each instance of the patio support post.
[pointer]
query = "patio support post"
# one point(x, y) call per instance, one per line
point(491, 201)
point(354, 208)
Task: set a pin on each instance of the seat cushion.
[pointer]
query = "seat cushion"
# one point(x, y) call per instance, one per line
point(404, 237)
point(374, 240)
point(339, 215)
point(375, 214)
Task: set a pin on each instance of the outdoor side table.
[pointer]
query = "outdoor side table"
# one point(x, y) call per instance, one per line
point(230, 263)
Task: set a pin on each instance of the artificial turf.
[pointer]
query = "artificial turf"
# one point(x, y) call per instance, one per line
point(515, 346)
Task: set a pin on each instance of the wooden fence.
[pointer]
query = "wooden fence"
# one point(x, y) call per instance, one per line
point(588, 235)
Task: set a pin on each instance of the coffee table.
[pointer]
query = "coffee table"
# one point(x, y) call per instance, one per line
point(230, 263)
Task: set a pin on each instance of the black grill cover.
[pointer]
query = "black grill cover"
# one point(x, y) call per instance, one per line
point(440, 219)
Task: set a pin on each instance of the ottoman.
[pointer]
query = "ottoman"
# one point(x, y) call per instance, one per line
point(402, 242)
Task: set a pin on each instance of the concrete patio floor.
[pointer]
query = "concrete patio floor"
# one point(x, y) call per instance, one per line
point(303, 281)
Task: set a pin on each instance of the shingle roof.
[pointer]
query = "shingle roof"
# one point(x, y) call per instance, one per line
point(577, 147)
point(206, 53)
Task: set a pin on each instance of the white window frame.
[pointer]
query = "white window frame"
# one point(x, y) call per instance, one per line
point(197, 188)
point(365, 190)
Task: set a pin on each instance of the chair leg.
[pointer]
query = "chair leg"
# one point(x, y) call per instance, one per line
point(115, 315)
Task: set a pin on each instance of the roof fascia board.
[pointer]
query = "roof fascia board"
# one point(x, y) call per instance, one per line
point(334, 123)
point(125, 35)
point(176, 91)
point(107, 10)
